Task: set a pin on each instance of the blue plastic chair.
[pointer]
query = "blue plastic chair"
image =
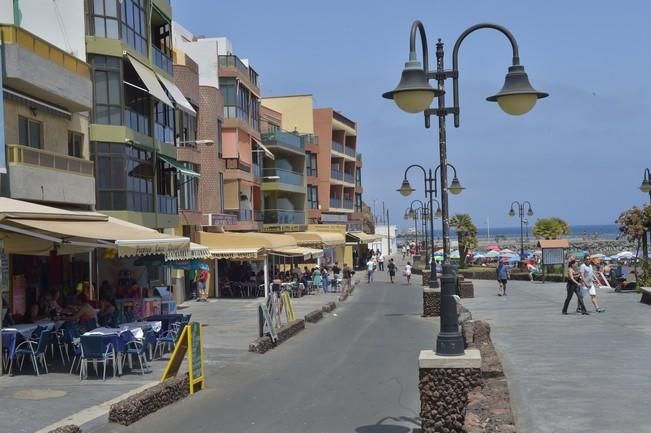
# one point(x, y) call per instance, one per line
point(138, 348)
point(71, 337)
point(93, 349)
point(35, 350)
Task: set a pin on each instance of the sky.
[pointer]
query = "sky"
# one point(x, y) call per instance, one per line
point(580, 154)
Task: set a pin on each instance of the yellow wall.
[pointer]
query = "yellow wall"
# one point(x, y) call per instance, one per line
point(231, 194)
point(296, 111)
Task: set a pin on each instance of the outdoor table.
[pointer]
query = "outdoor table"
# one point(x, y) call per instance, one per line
point(138, 328)
point(25, 329)
point(165, 319)
point(50, 325)
point(117, 337)
point(8, 344)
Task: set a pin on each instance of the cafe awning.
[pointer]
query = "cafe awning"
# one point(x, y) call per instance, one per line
point(248, 245)
point(266, 151)
point(195, 251)
point(11, 208)
point(306, 253)
point(181, 102)
point(179, 166)
point(361, 237)
point(148, 77)
point(318, 239)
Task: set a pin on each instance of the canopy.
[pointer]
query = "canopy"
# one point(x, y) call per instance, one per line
point(176, 94)
point(179, 166)
point(306, 253)
point(148, 77)
point(553, 243)
point(11, 208)
point(249, 245)
point(195, 251)
point(363, 238)
point(492, 254)
point(266, 151)
point(318, 239)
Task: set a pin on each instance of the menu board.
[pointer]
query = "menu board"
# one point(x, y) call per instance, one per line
point(189, 342)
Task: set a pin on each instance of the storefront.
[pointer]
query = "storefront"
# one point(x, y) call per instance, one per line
point(332, 243)
point(359, 244)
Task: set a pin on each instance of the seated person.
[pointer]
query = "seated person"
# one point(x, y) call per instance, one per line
point(106, 314)
point(85, 312)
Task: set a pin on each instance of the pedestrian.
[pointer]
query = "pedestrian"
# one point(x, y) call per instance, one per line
point(391, 267)
point(503, 276)
point(407, 272)
point(316, 279)
point(587, 277)
point(201, 281)
point(500, 263)
point(573, 287)
point(347, 274)
point(380, 261)
point(325, 280)
point(404, 252)
point(370, 268)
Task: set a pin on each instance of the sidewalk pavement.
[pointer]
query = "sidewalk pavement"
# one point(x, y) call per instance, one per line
point(31, 404)
point(570, 373)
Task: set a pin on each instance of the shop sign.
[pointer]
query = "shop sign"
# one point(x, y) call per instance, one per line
point(282, 228)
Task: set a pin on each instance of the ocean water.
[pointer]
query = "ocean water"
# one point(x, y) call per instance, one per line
point(586, 232)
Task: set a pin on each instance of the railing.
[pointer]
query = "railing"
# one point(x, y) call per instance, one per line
point(283, 176)
point(311, 171)
point(310, 139)
point(12, 34)
point(349, 178)
point(18, 154)
point(283, 216)
point(167, 204)
point(245, 215)
point(236, 164)
point(337, 147)
point(349, 151)
point(162, 60)
point(348, 204)
point(232, 61)
point(284, 139)
point(335, 203)
point(359, 157)
point(336, 174)
point(256, 170)
point(356, 226)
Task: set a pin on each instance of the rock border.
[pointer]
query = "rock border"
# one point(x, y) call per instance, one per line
point(329, 307)
point(70, 428)
point(314, 316)
point(146, 402)
point(285, 332)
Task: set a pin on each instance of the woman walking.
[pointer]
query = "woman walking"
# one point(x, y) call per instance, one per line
point(573, 287)
point(316, 280)
point(503, 276)
point(407, 272)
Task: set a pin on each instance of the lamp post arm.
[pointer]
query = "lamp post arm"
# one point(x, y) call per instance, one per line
point(418, 26)
point(526, 202)
point(455, 59)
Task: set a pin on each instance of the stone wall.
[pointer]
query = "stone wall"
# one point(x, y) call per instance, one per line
point(431, 302)
point(314, 316)
point(285, 332)
point(466, 289)
point(444, 397)
point(70, 428)
point(139, 405)
point(329, 307)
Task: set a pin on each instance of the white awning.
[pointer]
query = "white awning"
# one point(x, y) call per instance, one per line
point(196, 251)
point(181, 102)
point(264, 149)
point(148, 77)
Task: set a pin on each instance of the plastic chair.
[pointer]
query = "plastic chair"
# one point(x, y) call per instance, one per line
point(137, 348)
point(71, 337)
point(35, 350)
point(149, 339)
point(93, 349)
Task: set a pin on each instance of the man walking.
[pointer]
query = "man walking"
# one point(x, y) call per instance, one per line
point(370, 268)
point(347, 276)
point(503, 276)
point(587, 275)
point(380, 261)
point(392, 269)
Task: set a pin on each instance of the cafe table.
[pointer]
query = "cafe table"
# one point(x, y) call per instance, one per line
point(138, 328)
point(24, 329)
point(117, 337)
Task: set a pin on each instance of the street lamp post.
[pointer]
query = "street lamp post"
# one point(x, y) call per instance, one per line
point(421, 211)
point(414, 94)
point(646, 187)
point(521, 214)
point(411, 214)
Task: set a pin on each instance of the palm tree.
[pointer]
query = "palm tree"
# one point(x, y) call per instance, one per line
point(466, 235)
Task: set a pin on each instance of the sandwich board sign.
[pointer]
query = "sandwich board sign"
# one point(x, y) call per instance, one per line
point(264, 320)
point(190, 342)
point(289, 308)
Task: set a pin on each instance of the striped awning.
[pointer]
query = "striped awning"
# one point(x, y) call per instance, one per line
point(362, 238)
point(306, 253)
point(196, 251)
point(318, 239)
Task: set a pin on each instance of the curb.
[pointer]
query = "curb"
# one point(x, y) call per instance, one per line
point(314, 316)
point(285, 332)
point(70, 428)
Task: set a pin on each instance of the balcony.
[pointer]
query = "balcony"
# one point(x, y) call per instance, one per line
point(335, 203)
point(349, 177)
point(37, 174)
point(162, 60)
point(336, 174)
point(358, 157)
point(237, 164)
point(167, 204)
point(246, 215)
point(233, 63)
point(348, 204)
point(285, 140)
point(349, 151)
point(283, 216)
point(283, 176)
point(337, 147)
point(40, 70)
point(310, 139)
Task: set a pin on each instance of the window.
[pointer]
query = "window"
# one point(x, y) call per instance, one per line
point(310, 162)
point(134, 31)
point(358, 176)
point(187, 129)
point(219, 138)
point(312, 197)
point(104, 19)
point(167, 188)
point(164, 123)
point(188, 190)
point(108, 89)
point(30, 132)
point(75, 144)
point(136, 102)
point(221, 192)
point(358, 202)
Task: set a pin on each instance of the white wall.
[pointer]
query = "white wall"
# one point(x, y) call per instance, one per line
point(383, 244)
point(203, 51)
point(60, 22)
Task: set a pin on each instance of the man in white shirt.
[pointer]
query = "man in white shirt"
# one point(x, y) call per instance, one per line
point(380, 262)
point(587, 276)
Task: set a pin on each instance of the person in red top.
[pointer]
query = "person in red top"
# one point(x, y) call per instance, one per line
point(201, 281)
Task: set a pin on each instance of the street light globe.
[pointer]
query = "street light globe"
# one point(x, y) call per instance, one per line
point(511, 212)
point(438, 213)
point(405, 189)
point(530, 213)
point(413, 93)
point(412, 214)
point(517, 96)
point(455, 187)
point(646, 185)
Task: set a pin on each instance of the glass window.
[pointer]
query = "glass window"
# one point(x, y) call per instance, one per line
point(219, 138)
point(30, 132)
point(134, 32)
point(107, 82)
point(188, 190)
point(104, 17)
point(311, 164)
point(75, 144)
point(312, 197)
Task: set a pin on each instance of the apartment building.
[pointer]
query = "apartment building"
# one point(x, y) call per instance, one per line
point(46, 94)
point(135, 111)
point(283, 180)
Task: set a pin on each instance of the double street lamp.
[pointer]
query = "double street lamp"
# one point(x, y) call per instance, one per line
point(422, 212)
point(521, 214)
point(414, 94)
point(646, 183)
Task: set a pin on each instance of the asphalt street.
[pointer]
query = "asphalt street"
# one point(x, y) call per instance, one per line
point(355, 371)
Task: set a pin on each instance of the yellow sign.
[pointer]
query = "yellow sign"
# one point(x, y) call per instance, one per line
point(282, 228)
point(289, 308)
point(189, 341)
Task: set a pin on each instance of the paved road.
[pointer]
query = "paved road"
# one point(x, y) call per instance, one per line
point(353, 372)
point(571, 374)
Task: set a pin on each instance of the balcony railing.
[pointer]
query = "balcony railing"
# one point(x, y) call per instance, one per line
point(348, 204)
point(18, 154)
point(335, 203)
point(284, 139)
point(246, 215)
point(359, 157)
point(282, 176)
point(337, 147)
point(310, 139)
point(311, 171)
point(167, 205)
point(236, 164)
point(283, 216)
point(349, 151)
point(349, 178)
point(231, 61)
point(162, 60)
point(11, 35)
point(336, 174)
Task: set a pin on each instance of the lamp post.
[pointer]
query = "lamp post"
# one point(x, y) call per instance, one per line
point(422, 212)
point(521, 214)
point(411, 214)
point(414, 94)
point(646, 187)
point(430, 192)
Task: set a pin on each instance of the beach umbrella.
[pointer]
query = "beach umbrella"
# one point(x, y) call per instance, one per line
point(507, 251)
point(493, 247)
point(478, 256)
point(514, 258)
point(598, 256)
point(454, 254)
point(492, 254)
point(625, 255)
